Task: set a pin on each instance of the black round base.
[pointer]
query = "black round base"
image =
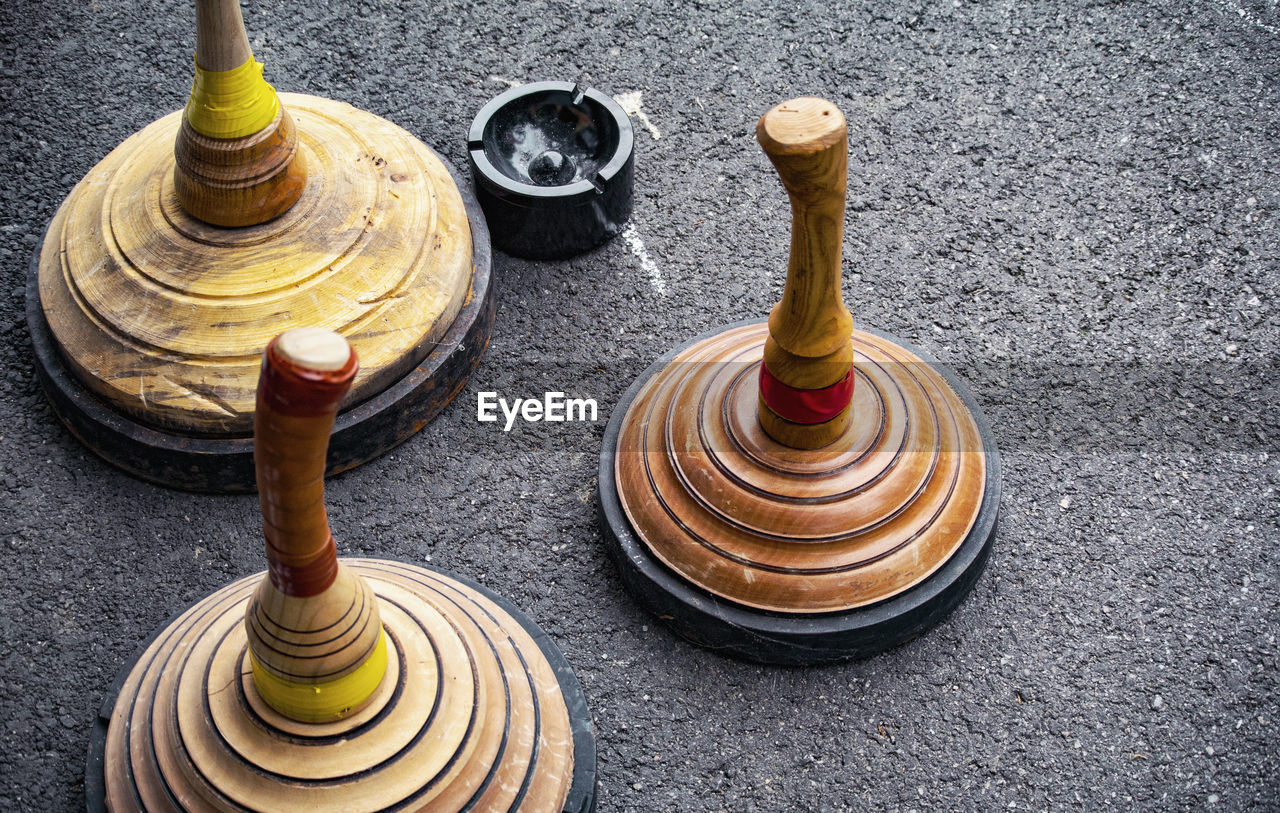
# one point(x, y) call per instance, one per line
point(582, 791)
point(802, 638)
point(225, 464)
point(553, 167)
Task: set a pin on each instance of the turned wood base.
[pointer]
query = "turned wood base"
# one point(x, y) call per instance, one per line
point(797, 556)
point(239, 181)
point(224, 464)
point(164, 316)
point(478, 710)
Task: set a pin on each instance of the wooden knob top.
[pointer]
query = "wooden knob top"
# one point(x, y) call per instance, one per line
point(314, 348)
point(807, 141)
point(801, 126)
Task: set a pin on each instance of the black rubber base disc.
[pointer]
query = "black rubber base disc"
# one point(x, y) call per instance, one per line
point(225, 465)
point(801, 638)
point(582, 791)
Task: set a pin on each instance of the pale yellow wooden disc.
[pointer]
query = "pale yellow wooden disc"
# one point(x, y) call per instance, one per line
point(166, 316)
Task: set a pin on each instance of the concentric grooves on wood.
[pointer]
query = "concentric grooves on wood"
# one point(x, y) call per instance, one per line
point(469, 717)
point(165, 316)
point(799, 531)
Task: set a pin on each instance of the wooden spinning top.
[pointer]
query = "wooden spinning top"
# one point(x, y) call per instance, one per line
point(340, 685)
point(798, 491)
point(217, 227)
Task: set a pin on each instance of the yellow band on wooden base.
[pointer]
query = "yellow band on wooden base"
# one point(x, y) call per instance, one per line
point(231, 104)
point(320, 702)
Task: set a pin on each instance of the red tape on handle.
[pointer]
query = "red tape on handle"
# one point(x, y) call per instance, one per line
point(306, 580)
point(805, 406)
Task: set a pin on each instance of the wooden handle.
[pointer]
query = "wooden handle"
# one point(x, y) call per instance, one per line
point(314, 629)
point(807, 141)
point(221, 41)
point(808, 349)
point(236, 156)
point(305, 374)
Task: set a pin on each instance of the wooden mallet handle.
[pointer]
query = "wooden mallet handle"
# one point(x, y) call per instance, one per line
point(314, 629)
point(221, 41)
point(305, 374)
point(808, 347)
point(236, 154)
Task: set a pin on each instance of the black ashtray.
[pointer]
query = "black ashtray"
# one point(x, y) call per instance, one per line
point(552, 163)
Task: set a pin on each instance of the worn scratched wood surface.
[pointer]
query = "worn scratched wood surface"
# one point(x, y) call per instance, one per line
point(164, 316)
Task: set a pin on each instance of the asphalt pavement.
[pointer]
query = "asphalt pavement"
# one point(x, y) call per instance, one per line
point(1073, 204)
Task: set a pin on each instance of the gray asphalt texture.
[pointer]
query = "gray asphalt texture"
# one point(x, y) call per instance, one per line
point(1073, 204)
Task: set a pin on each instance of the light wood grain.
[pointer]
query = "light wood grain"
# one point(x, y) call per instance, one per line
point(808, 346)
point(221, 40)
point(473, 701)
point(314, 348)
point(807, 142)
point(164, 316)
point(469, 714)
point(316, 639)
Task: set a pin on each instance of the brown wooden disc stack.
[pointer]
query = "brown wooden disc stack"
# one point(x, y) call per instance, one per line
point(800, 491)
point(217, 227)
point(341, 685)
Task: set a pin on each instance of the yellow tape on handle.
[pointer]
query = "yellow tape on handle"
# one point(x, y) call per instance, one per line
point(231, 104)
point(319, 702)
